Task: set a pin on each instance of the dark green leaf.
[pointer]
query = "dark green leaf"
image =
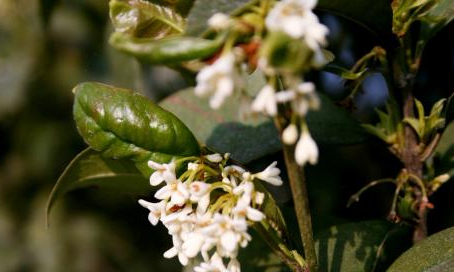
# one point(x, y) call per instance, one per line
point(354, 247)
point(172, 50)
point(204, 9)
point(144, 19)
point(334, 125)
point(440, 15)
point(90, 169)
point(123, 124)
point(445, 151)
point(376, 15)
point(433, 254)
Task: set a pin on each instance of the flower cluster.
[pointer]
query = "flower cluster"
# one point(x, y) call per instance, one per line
point(225, 76)
point(208, 208)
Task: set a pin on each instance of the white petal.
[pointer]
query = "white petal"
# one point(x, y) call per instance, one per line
point(163, 193)
point(216, 158)
point(183, 259)
point(229, 241)
point(234, 265)
point(192, 245)
point(171, 253)
point(254, 214)
point(156, 178)
point(203, 204)
point(290, 134)
point(306, 150)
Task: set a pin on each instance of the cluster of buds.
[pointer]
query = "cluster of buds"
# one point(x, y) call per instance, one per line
point(287, 22)
point(208, 208)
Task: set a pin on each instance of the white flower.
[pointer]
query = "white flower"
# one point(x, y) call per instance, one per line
point(244, 210)
point(231, 174)
point(296, 19)
point(306, 98)
point(219, 21)
point(270, 175)
point(176, 191)
point(192, 244)
point(163, 172)
point(290, 134)
point(306, 149)
point(214, 265)
point(216, 158)
point(265, 101)
point(234, 265)
point(177, 250)
point(219, 80)
point(302, 98)
point(156, 210)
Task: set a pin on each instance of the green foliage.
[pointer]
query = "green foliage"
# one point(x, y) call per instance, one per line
point(438, 17)
point(141, 18)
point(434, 254)
point(355, 247)
point(344, 73)
point(122, 124)
point(375, 16)
point(90, 169)
point(172, 50)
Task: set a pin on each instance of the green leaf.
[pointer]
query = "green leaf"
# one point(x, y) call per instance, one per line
point(204, 9)
point(122, 124)
point(334, 125)
point(433, 254)
point(172, 50)
point(141, 18)
point(438, 17)
point(247, 140)
point(355, 247)
point(90, 169)
point(375, 16)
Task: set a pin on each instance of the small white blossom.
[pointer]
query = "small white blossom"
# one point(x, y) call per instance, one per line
point(193, 166)
point(219, 80)
point(270, 175)
point(163, 172)
point(216, 158)
point(302, 98)
point(244, 210)
point(198, 189)
point(290, 134)
point(177, 192)
point(306, 150)
point(234, 265)
point(219, 21)
point(156, 210)
point(214, 265)
point(296, 19)
point(265, 101)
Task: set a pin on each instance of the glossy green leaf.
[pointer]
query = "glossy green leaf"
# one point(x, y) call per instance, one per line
point(141, 18)
point(356, 247)
point(247, 140)
point(334, 125)
point(204, 9)
point(122, 124)
point(90, 169)
point(441, 14)
point(375, 16)
point(433, 254)
point(172, 50)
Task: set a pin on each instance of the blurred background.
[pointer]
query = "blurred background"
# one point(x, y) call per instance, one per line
point(48, 46)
